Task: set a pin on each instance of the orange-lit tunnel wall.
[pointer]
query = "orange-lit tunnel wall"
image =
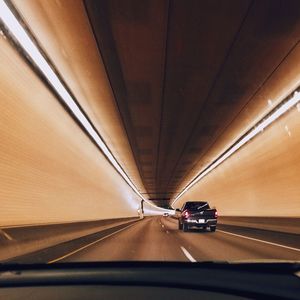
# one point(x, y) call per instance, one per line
point(260, 179)
point(50, 171)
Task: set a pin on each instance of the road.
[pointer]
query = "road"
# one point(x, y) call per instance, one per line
point(158, 239)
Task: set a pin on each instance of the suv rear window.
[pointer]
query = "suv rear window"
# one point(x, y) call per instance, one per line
point(196, 205)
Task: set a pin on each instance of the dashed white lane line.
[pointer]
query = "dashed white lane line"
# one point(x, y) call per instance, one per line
point(6, 235)
point(258, 240)
point(187, 254)
point(88, 245)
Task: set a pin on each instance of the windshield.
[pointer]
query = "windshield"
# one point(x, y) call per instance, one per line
point(115, 115)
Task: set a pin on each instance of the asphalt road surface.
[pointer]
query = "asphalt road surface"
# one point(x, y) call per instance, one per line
point(158, 239)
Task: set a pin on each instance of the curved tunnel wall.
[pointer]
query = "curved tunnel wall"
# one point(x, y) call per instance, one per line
point(49, 169)
point(261, 179)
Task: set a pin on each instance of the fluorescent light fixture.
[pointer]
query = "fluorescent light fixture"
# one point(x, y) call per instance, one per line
point(282, 108)
point(24, 40)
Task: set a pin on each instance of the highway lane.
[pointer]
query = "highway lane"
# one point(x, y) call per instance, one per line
point(158, 239)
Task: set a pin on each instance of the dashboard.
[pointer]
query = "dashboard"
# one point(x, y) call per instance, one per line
point(149, 280)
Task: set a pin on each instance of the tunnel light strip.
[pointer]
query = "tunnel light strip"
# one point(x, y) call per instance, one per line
point(277, 112)
point(25, 41)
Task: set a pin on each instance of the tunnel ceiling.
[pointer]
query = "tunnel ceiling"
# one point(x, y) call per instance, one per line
point(181, 71)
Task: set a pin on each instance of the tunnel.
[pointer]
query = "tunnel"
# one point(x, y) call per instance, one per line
point(114, 113)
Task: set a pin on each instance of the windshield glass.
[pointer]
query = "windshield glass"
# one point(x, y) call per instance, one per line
point(115, 114)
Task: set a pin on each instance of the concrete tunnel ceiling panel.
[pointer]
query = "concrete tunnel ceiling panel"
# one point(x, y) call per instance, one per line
point(182, 71)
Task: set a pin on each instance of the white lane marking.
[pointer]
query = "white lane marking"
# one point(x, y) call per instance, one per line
point(187, 254)
point(88, 245)
point(257, 240)
point(6, 235)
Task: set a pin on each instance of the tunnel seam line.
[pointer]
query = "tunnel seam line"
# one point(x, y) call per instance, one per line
point(258, 240)
point(163, 94)
point(131, 141)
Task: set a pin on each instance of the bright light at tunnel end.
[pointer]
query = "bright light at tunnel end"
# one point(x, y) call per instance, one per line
point(292, 100)
point(25, 41)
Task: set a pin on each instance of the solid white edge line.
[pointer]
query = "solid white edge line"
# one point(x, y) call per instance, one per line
point(258, 240)
point(88, 245)
point(187, 254)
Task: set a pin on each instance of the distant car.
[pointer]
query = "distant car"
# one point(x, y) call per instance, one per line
point(165, 214)
point(197, 214)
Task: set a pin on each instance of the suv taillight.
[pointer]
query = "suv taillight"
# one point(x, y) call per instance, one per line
point(186, 214)
point(216, 214)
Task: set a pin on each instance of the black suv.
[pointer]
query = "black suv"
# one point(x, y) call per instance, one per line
point(197, 214)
